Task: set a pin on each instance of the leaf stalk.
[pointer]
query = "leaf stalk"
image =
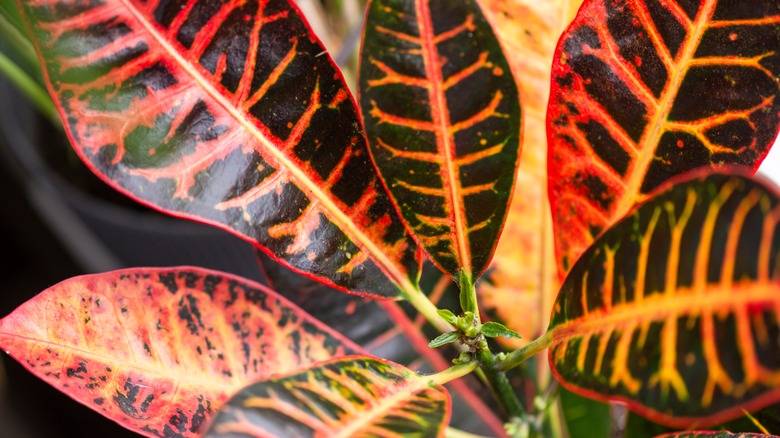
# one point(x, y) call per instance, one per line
point(520, 355)
point(451, 373)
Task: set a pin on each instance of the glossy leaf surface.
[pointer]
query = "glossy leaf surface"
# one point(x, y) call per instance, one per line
point(523, 273)
point(159, 350)
point(645, 90)
point(675, 310)
point(356, 396)
point(714, 434)
point(395, 332)
point(232, 114)
point(442, 115)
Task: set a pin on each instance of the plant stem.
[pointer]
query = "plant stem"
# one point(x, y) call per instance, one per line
point(519, 356)
point(427, 309)
point(499, 384)
point(34, 92)
point(451, 373)
point(468, 295)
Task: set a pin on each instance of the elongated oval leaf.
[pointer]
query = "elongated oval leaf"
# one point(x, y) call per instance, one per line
point(523, 271)
point(229, 113)
point(356, 396)
point(441, 111)
point(645, 90)
point(676, 309)
point(713, 434)
point(159, 350)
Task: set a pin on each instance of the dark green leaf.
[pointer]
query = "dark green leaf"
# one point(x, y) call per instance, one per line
point(495, 329)
point(444, 339)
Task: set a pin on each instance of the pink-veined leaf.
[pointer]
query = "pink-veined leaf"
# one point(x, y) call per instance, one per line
point(229, 113)
point(644, 90)
point(159, 350)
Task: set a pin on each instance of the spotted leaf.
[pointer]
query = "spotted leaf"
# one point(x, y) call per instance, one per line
point(645, 90)
point(522, 272)
point(442, 115)
point(159, 350)
point(229, 113)
point(355, 396)
point(676, 309)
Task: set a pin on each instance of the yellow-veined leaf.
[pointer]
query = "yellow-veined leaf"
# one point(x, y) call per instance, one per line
point(675, 310)
point(354, 396)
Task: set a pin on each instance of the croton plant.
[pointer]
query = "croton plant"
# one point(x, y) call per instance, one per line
point(638, 250)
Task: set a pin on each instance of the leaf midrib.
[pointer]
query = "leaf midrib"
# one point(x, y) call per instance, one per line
point(445, 141)
point(660, 307)
point(309, 186)
point(417, 385)
point(135, 365)
point(651, 138)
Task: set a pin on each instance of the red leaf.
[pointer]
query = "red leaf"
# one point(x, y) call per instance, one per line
point(159, 350)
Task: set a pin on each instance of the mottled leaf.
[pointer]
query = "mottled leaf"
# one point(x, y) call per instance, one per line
point(159, 350)
point(523, 273)
point(645, 90)
point(676, 309)
point(442, 115)
point(229, 113)
point(355, 396)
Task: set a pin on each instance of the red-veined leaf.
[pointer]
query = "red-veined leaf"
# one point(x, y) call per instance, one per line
point(523, 273)
point(675, 310)
point(645, 90)
point(442, 115)
point(232, 114)
point(159, 350)
point(713, 434)
point(355, 396)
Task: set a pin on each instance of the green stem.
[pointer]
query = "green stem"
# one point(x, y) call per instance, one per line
point(423, 304)
point(468, 295)
point(499, 385)
point(451, 373)
point(34, 92)
point(519, 356)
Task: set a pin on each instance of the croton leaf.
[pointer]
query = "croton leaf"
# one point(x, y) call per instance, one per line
point(355, 396)
point(645, 90)
point(713, 434)
point(228, 113)
point(159, 350)
point(522, 272)
point(442, 114)
point(393, 331)
point(675, 310)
